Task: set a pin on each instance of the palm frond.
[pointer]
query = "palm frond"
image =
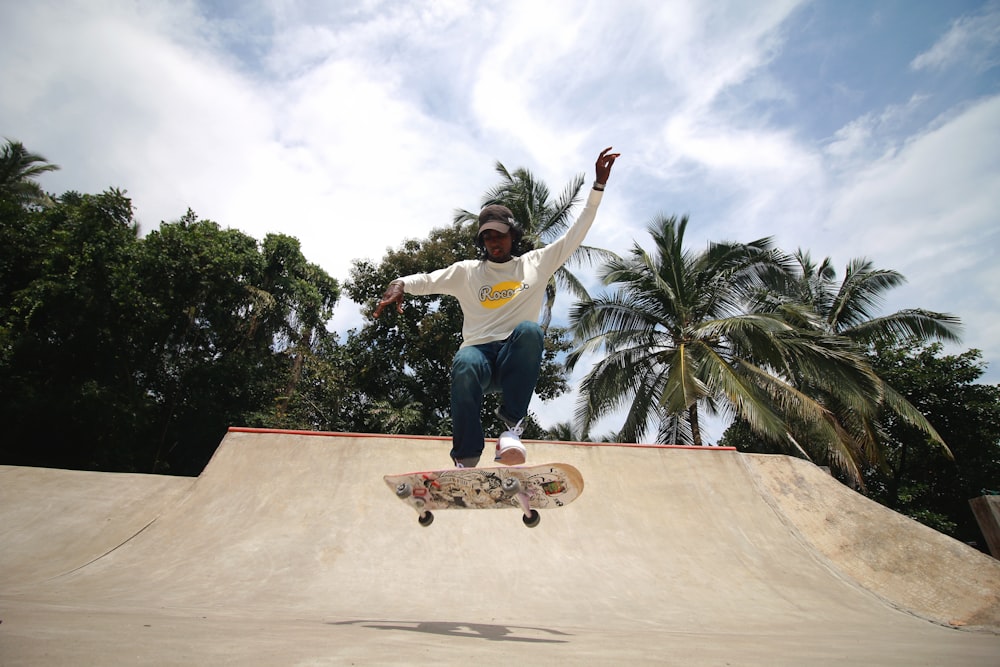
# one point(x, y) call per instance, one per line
point(861, 293)
point(913, 323)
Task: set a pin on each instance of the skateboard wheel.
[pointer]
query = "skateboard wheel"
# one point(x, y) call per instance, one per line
point(425, 519)
point(404, 490)
point(531, 520)
point(511, 485)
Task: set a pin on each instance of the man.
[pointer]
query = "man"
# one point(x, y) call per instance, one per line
point(501, 296)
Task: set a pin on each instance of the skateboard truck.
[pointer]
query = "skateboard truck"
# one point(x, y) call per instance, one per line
point(404, 490)
point(512, 487)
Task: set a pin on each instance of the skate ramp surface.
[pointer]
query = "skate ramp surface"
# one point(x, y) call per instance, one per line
point(290, 550)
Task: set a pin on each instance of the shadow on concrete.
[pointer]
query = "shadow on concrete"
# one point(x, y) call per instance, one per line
point(489, 632)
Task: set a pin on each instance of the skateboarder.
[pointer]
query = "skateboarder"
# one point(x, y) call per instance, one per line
point(501, 296)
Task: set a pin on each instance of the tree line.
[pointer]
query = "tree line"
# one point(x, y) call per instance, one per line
point(121, 352)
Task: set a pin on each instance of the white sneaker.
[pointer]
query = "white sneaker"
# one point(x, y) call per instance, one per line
point(510, 451)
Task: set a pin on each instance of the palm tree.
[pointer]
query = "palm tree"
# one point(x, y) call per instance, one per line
point(677, 336)
point(542, 221)
point(848, 309)
point(564, 432)
point(18, 169)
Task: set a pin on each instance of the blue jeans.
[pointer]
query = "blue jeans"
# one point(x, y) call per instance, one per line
point(510, 366)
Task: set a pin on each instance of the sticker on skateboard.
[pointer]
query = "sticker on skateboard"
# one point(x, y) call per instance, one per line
point(528, 488)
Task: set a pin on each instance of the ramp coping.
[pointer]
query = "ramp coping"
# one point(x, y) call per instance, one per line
point(339, 434)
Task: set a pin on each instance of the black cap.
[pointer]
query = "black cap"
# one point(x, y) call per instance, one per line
point(496, 217)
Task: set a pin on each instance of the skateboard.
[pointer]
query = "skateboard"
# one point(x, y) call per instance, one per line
point(528, 488)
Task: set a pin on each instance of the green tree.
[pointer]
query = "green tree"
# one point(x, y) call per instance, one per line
point(543, 220)
point(18, 171)
point(301, 297)
point(137, 354)
point(918, 478)
point(567, 432)
point(677, 336)
point(849, 308)
point(815, 301)
point(230, 324)
point(65, 396)
point(564, 431)
point(321, 399)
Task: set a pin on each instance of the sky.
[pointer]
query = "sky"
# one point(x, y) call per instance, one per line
point(845, 128)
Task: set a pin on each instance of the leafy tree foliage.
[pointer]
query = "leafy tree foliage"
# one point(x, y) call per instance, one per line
point(67, 288)
point(816, 302)
point(915, 475)
point(18, 170)
point(678, 338)
point(918, 478)
point(121, 353)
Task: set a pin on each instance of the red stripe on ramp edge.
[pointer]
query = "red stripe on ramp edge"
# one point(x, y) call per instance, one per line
point(336, 434)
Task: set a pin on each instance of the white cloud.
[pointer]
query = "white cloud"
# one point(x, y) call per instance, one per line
point(970, 42)
point(872, 135)
point(930, 211)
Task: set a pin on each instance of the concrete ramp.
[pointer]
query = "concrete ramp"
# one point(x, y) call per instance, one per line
point(55, 521)
point(289, 549)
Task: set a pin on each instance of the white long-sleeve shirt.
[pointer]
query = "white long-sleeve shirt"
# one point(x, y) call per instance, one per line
point(496, 297)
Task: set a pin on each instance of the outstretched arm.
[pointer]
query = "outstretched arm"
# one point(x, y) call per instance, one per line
point(562, 248)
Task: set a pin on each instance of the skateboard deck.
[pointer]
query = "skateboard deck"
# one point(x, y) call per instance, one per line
point(528, 488)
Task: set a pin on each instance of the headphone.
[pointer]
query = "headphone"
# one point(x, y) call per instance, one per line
point(498, 213)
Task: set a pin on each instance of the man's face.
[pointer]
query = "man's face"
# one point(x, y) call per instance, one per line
point(498, 246)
